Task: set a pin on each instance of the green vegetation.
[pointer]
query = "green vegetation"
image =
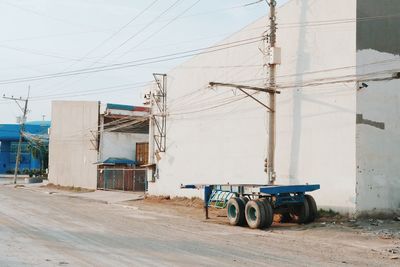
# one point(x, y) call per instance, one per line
point(327, 213)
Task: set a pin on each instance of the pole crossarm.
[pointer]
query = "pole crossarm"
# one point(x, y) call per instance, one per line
point(14, 98)
point(240, 86)
point(255, 99)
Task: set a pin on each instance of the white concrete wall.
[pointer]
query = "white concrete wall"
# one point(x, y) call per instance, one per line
point(120, 145)
point(209, 142)
point(378, 109)
point(71, 153)
point(316, 124)
point(378, 154)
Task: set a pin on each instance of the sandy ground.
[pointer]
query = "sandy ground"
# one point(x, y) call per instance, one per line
point(38, 229)
point(193, 208)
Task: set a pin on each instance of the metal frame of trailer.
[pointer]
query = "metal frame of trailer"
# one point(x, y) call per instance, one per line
point(255, 205)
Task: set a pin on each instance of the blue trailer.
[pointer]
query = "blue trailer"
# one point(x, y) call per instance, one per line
point(255, 205)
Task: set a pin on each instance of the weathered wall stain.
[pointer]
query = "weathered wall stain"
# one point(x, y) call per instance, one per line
point(360, 120)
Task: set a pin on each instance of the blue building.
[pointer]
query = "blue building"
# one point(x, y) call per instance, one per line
point(9, 136)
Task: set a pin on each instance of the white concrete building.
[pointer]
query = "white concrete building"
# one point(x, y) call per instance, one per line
point(72, 153)
point(87, 134)
point(330, 129)
point(122, 127)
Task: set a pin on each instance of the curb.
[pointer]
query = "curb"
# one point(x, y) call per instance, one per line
point(84, 198)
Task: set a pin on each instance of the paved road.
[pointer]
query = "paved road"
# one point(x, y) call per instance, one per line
point(38, 229)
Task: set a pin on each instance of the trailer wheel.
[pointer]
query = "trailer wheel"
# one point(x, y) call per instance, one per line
point(255, 214)
point(300, 213)
point(313, 210)
point(235, 210)
point(269, 213)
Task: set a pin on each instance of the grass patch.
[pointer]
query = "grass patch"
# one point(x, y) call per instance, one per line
point(331, 216)
point(327, 213)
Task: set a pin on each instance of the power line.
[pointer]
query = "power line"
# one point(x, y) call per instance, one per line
point(40, 14)
point(208, 108)
point(163, 27)
point(49, 36)
point(136, 34)
point(98, 91)
point(374, 76)
point(329, 22)
point(38, 53)
point(381, 62)
point(308, 83)
point(160, 29)
point(142, 29)
point(114, 125)
point(135, 63)
point(187, 98)
point(216, 10)
point(112, 36)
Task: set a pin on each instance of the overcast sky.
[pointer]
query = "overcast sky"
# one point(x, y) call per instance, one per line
point(42, 37)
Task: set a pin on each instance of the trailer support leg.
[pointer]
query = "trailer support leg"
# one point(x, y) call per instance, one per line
point(207, 195)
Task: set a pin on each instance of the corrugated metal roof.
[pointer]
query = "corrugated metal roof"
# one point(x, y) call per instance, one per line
point(127, 107)
point(117, 161)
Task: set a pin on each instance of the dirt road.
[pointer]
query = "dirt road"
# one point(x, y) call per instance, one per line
point(38, 229)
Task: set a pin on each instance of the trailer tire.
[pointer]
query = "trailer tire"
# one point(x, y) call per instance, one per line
point(255, 214)
point(300, 213)
point(235, 211)
point(313, 210)
point(269, 212)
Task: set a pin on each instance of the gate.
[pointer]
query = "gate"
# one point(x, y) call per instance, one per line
point(122, 179)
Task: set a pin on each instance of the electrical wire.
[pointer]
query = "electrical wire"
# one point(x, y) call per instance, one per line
point(97, 91)
point(140, 31)
point(112, 36)
point(381, 62)
point(135, 63)
point(329, 22)
point(40, 37)
point(40, 14)
point(374, 76)
point(160, 29)
point(39, 53)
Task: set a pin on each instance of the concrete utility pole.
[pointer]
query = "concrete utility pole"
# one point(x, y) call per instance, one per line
point(21, 129)
point(271, 61)
point(270, 160)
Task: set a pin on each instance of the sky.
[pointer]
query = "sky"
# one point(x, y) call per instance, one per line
point(41, 37)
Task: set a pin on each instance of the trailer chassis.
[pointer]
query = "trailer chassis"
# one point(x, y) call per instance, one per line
point(255, 205)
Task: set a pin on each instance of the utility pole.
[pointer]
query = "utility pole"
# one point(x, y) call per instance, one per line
point(270, 160)
point(272, 59)
point(21, 129)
